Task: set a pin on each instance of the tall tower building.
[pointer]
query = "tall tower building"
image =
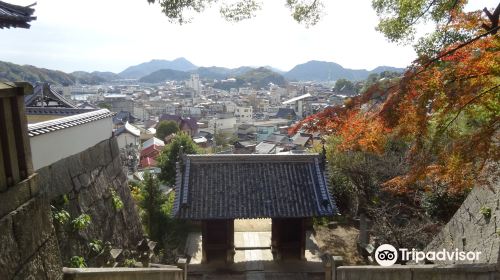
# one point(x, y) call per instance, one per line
point(195, 84)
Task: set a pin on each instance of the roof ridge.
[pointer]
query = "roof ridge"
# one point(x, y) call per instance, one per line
point(57, 124)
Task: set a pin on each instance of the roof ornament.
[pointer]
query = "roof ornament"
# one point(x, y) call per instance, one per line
point(323, 155)
point(180, 156)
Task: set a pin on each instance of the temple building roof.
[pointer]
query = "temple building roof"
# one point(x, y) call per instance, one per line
point(15, 16)
point(251, 186)
point(44, 96)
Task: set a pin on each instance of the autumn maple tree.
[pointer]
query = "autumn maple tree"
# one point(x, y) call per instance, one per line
point(446, 107)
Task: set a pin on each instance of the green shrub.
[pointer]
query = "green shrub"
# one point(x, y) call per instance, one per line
point(81, 222)
point(117, 202)
point(129, 263)
point(440, 205)
point(61, 216)
point(486, 211)
point(77, 262)
point(96, 246)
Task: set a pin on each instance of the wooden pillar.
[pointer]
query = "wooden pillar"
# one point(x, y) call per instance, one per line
point(230, 241)
point(204, 241)
point(15, 152)
point(289, 238)
point(218, 240)
point(303, 239)
point(275, 239)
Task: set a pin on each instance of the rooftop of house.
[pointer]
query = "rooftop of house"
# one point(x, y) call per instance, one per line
point(295, 99)
point(128, 128)
point(123, 117)
point(151, 150)
point(285, 113)
point(277, 138)
point(272, 122)
point(191, 122)
point(148, 162)
point(301, 139)
point(265, 148)
point(152, 141)
point(251, 186)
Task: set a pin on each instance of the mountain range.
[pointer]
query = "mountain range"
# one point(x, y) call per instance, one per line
point(330, 71)
point(146, 68)
point(157, 71)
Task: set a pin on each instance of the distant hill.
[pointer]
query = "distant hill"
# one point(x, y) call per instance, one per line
point(108, 76)
point(146, 68)
point(220, 73)
point(330, 71)
point(281, 72)
point(255, 78)
point(87, 78)
point(381, 69)
point(94, 78)
point(14, 72)
point(164, 75)
point(245, 76)
point(261, 77)
point(10, 72)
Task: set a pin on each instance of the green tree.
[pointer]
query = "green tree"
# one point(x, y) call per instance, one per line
point(398, 18)
point(104, 105)
point(151, 203)
point(308, 12)
point(344, 85)
point(170, 155)
point(165, 128)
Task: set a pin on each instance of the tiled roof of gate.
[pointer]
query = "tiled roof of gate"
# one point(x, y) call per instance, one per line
point(251, 186)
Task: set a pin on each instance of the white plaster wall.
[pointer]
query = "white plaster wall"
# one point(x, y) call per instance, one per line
point(53, 146)
point(125, 139)
point(227, 124)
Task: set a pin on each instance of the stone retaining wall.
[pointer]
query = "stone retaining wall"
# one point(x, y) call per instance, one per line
point(472, 228)
point(87, 180)
point(123, 273)
point(418, 272)
point(28, 244)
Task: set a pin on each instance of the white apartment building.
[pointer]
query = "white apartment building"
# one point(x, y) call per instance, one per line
point(244, 114)
point(195, 84)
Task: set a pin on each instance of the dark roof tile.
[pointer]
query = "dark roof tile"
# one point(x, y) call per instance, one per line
point(251, 186)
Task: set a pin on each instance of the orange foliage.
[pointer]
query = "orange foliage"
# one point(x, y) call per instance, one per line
point(448, 108)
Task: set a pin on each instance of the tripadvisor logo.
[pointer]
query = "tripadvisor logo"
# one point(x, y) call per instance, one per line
point(387, 255)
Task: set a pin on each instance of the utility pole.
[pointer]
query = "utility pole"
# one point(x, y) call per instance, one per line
point(214, 146)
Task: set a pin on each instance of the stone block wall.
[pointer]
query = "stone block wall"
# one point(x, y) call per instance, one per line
point(122, 273)
point(471, 228)
point(418, 272)
point(28, 244)
point(87, 181)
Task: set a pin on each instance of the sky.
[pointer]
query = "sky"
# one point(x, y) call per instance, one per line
point(111, 35)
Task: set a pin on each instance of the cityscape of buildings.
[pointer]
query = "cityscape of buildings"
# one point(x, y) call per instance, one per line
point(235, 121)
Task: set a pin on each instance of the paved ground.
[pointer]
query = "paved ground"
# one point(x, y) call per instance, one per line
point(251, 225)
